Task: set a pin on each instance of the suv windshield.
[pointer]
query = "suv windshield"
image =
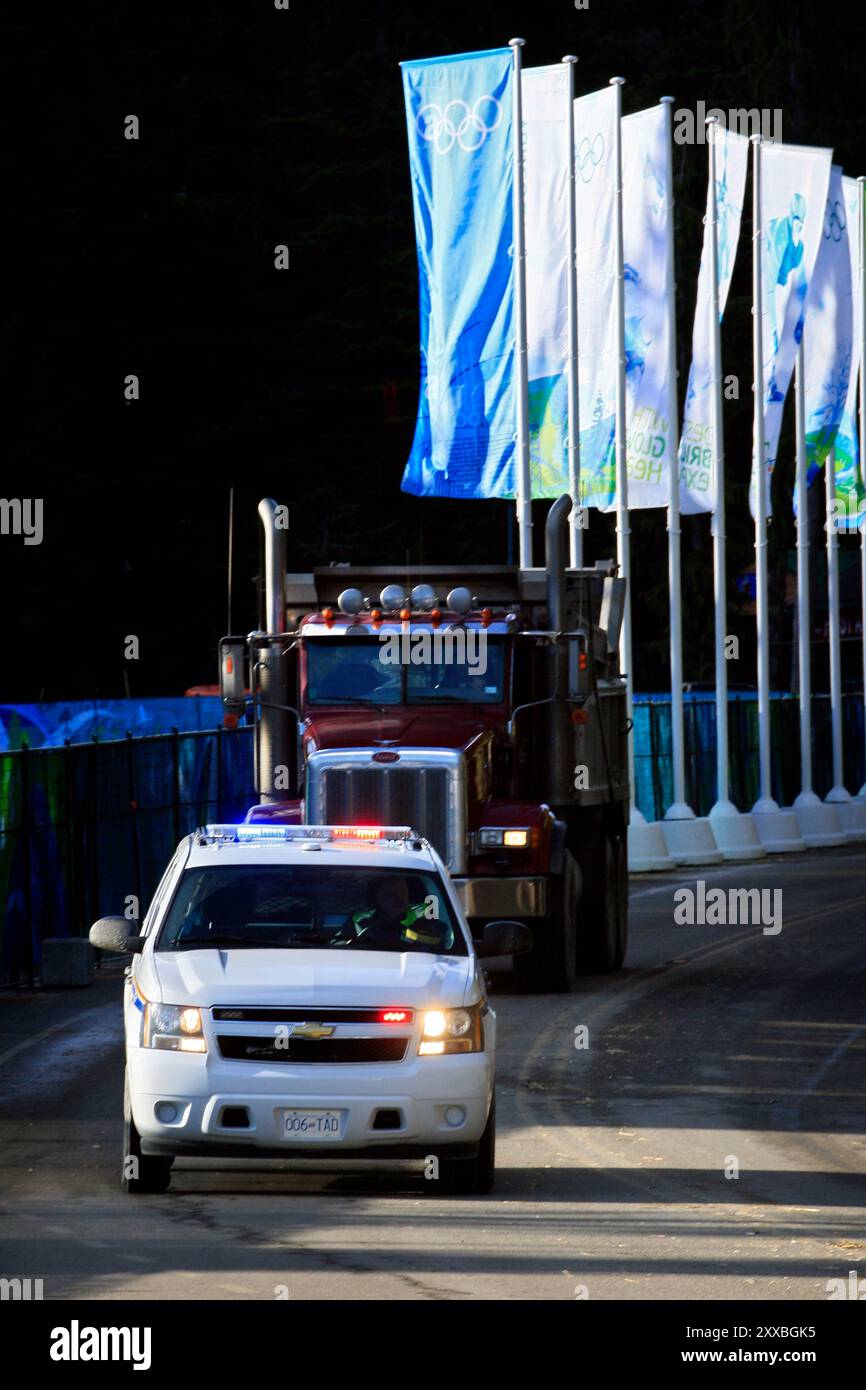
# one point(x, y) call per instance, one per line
point(298, 906)
point(432, 667)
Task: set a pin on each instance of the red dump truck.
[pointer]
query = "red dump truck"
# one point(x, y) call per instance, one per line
point(481, 705)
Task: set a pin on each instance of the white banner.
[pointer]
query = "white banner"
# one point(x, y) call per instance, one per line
point(828, 339)
point(545, 152)
point(850, 493)
point(697, 444)
point(595, 200)
point(648, 279)
point(794, 184)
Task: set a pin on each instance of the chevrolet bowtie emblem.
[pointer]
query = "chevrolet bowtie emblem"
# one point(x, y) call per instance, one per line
point(312, 1030)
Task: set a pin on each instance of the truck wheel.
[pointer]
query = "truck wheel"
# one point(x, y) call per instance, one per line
point(551, 966)
point(473, 1176)
point(602, 938)
point(140, 1172)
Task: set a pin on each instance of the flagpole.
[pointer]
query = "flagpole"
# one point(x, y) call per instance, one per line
point(622, 526)
point(804, 617)
point(679, 810)
point(765, 803)
point(861, 228)
point(818, 822)
point(576, 518)
point(718, 517)
point(838, 792)
point(524, 482)
point(734, 831)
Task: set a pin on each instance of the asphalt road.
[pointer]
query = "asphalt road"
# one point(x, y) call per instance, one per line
point(717, 1046)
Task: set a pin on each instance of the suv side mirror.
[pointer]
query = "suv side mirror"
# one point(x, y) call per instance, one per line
point(504, 939)
point(117, 934)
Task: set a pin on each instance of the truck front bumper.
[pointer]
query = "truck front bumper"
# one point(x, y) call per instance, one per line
point(503, 897)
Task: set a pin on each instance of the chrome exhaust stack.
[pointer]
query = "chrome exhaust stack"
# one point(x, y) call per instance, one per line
point(275, 751)
point(275, 567)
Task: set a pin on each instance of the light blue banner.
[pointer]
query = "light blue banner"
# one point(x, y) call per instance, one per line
point(458, 117)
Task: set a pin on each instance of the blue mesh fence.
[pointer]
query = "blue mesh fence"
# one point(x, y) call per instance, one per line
point(654, 763)
point(86, 826)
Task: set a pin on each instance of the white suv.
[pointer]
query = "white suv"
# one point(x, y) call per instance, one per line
point(308, 991)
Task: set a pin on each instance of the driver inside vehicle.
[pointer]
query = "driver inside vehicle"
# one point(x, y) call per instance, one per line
point(392, 920)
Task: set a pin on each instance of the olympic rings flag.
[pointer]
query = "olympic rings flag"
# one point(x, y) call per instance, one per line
point(697, 444)
point(598, 354)
point(461, 158)
point(794, 183)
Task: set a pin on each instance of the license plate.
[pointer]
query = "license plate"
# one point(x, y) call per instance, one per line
point(311, 1124)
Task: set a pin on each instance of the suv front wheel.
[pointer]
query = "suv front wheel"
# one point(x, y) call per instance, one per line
point(140, 1172)
point(473, 1176)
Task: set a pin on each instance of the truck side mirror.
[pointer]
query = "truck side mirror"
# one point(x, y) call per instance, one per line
point(120, 934)
point(504, 939)
point(232, 683)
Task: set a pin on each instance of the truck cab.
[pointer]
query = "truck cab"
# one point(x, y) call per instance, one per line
point(482, 705)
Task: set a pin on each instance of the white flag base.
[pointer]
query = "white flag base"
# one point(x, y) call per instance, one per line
point(691, 841)
point(818, 821)
point(647, 850)
point(679, 811)
point(735, 832)
point(852, 817)
point(861, 795)
point(778, 829)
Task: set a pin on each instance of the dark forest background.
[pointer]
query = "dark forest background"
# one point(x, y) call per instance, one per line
point(262, 126)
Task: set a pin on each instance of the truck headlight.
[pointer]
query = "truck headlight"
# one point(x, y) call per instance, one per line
point(451, 1030)
point(172, 1028)
point(501, 837)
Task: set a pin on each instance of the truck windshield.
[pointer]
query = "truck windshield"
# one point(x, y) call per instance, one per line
point(468, 669)
point(310, 906)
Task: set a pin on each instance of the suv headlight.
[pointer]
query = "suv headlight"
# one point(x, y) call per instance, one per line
point(172, 1028)
point(451, 1030)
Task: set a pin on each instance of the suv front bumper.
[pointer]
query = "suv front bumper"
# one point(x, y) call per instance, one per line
point(416, 1097)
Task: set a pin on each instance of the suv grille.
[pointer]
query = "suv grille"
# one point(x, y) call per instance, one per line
point(236, 1047)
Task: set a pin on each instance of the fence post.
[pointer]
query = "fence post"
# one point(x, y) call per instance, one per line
point(219, 773)
point(133, 816)
point(27, 832)
point(175, 778)
point(658, 796)
point(72, 876)
point(94, 885)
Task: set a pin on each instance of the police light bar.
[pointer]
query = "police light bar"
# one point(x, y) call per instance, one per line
point(260, 833)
